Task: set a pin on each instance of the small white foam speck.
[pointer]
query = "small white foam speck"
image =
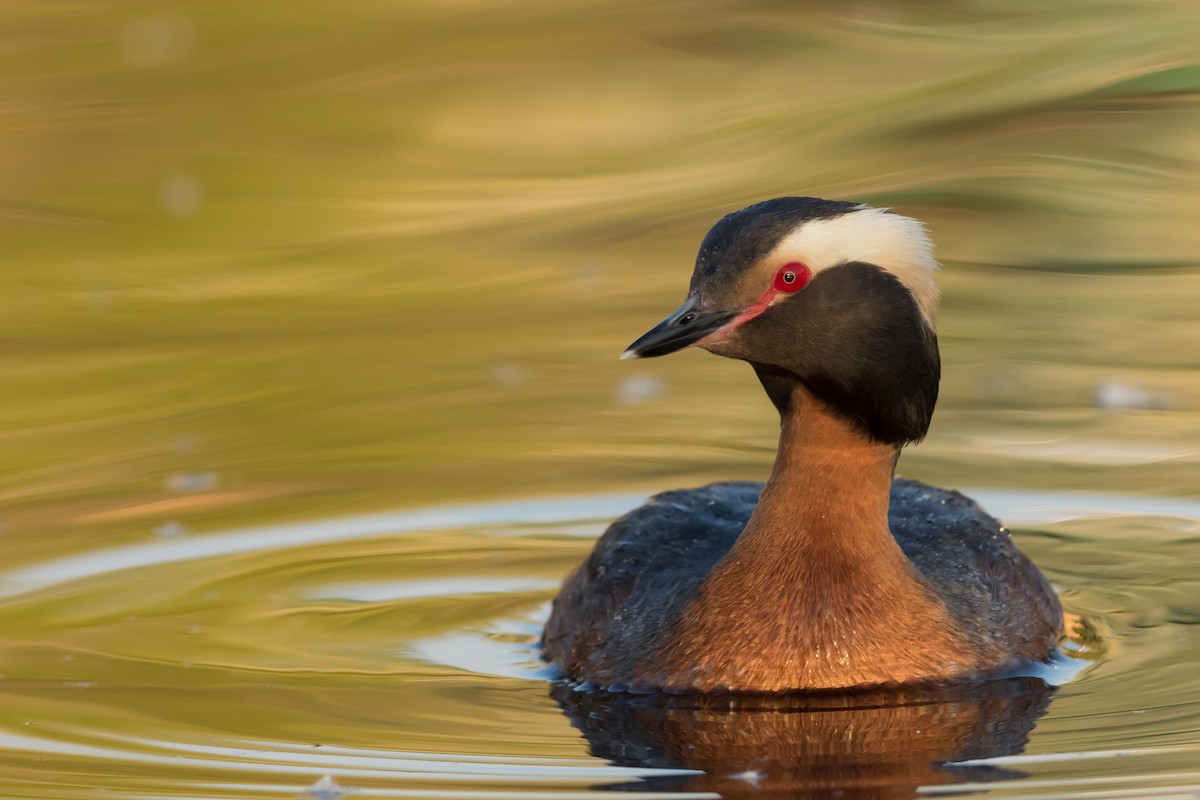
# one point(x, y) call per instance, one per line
point(1117, 395)
point(638, 389)
point(509, 376)
point(170, 529)
point(751, 776)
point(327, 789)
point(192, 481)
point(154, 41)
point(181, 196)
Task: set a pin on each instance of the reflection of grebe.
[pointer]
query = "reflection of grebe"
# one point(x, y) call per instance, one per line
point(856, 745)
point(820, 582)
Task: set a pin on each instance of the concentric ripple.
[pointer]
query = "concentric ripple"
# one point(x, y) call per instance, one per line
point(397, 653)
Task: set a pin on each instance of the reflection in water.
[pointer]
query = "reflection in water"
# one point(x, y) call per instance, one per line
point(868, 745)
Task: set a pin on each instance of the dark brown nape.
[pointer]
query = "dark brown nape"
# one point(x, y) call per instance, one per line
point(816, 592)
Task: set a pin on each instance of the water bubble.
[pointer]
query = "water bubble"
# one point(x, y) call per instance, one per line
point(192, 481)
point(155, 41)
point(751, 776)
point(170, 529)
point(1115, 395)
point(180, 195)
point(638, 389)
point(509, 376)
point(327, 789)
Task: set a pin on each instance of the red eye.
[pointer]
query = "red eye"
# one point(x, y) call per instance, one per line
point(791, 277)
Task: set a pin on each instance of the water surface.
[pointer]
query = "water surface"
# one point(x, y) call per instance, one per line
point(310, 325)
point(397, 653)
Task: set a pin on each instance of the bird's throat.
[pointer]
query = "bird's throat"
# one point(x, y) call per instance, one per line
point(827, 497)
point(815, 591)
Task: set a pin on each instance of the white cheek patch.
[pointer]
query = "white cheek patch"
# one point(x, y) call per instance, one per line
point(897, 244)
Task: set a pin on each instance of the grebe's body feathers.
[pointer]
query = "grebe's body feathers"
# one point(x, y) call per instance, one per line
point(647, 567)
point(831, 574)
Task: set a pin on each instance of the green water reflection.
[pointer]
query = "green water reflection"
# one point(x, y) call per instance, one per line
point(271, 263)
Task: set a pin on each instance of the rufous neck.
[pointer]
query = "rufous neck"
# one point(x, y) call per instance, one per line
point(829, 488)
point(816, 586)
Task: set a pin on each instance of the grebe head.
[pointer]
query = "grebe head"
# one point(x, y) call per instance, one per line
point(836, 295)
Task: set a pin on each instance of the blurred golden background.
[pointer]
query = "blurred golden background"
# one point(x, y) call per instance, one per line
point(267, 262)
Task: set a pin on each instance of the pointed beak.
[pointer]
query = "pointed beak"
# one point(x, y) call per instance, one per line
point(684, 327)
